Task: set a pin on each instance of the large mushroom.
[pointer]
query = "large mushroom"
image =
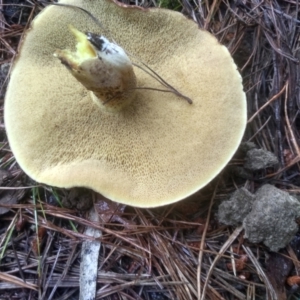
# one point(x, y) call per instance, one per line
point(151, 149)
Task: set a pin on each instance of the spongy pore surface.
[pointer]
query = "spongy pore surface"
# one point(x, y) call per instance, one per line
point(157, 150)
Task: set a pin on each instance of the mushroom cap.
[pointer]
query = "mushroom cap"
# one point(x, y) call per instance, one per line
point(156, 151)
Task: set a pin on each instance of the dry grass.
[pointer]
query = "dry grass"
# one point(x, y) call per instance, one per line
point(178, 251)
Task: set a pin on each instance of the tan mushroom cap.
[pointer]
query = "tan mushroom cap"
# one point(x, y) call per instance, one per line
point(157, 150)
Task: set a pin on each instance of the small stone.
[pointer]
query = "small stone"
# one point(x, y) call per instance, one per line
point(257, 159)
point(272, 218)
point(245, 147)
point(233, 211)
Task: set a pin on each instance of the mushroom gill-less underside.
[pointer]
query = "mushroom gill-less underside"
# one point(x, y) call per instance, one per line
point(155, 151)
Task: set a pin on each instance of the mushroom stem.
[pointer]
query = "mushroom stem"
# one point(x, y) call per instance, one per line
point(103, 68)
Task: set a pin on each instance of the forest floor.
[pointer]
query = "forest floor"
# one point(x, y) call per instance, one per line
point(179, 251)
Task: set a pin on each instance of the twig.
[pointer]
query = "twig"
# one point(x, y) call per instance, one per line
point(226, 245)
point(201, 250)
point(89, 260)
point(268, 102)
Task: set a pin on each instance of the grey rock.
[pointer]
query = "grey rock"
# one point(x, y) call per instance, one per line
point(233, 211)
point(257, 159)
point(245, 147)
point(272, 218)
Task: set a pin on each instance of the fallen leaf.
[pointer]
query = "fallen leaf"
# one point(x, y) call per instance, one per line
point(36, 243)
point(292, 280)
point(240, 263)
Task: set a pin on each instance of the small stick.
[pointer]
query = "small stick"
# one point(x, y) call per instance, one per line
point(89, 260)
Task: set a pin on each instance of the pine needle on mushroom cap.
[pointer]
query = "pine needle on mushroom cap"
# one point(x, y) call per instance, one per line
point(155, 151)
